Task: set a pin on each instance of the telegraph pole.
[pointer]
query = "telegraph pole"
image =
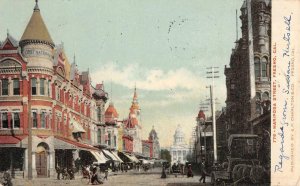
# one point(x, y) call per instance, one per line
point(204, 108)
point(213, 73)
point(29, 136)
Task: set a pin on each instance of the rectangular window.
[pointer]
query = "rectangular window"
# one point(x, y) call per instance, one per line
point(16, 84)
point(43, 119)
point(115, 141)
point(264, 70)
point(34, 119)
point(48, 86)
point(5, 87)
point(42, 86)
point(33, 86)
point(57, 94)
point(99, 114)
point(109, 139)
point(4, 120)
point(99, 136)
point(16, 120)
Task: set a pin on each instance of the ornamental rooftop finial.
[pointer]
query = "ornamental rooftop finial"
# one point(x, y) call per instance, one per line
point(36, 8)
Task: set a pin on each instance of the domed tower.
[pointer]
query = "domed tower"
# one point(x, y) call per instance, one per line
point(36, 43)
point(111, 114)
point(201, 117)
point(179, 137)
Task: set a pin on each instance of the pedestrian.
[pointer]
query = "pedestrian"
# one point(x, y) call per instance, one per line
point(106, 172)
point(203, 171)
point(189, 171)
point(96, 177)
point(163, 173)
point(58, 171)
point(122, 167)
point(126, 167)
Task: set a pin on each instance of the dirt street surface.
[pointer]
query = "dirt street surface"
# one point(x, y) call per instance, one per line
point(122, 179)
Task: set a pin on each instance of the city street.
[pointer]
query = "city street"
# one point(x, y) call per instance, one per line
point(123, 179)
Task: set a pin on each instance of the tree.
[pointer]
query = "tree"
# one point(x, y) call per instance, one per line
point(165, 155)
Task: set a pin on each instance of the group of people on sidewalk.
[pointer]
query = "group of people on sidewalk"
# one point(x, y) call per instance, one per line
point(175, 169)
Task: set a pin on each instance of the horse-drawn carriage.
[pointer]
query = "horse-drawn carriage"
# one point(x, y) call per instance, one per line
point(243, 165)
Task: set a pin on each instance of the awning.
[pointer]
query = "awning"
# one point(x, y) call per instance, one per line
point(13, 141)
point(132, 158)
point(116, 155)
point(110, 155)
point(77, 126)
point(99, 157)
point(63, 143)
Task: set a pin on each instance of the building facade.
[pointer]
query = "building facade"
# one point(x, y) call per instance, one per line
point(155, 140)
point(44, 95)
point(180, 149)
point(248, 78)
point(133, 125)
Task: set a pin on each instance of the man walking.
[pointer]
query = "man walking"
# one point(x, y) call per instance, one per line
point(203, 171)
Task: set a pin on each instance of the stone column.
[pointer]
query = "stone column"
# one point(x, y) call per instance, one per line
point(34, 173)
point(38, 86)
point(51, 164)
point(25, 163)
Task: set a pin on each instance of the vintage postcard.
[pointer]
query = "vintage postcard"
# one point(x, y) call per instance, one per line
point(149, 92)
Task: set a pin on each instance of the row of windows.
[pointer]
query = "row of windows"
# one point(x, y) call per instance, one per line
point(5, 87)
point(261, 67)
point(14, 122)
point(179, 153)
point(42, 84)
point(16, 87)
point(109, 138)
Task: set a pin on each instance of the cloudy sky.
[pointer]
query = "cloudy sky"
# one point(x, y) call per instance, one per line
point(162, 46)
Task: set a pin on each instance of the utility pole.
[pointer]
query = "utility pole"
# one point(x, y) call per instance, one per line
point(213, 73)
point(29, 136)
point(204, 108)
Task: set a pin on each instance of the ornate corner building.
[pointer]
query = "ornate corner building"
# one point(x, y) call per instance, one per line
point(41, 89)
point(248, 78)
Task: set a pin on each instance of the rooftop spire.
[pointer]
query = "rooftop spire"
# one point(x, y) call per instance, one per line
point(36, 30)
point(135, 94)
point(36, 7)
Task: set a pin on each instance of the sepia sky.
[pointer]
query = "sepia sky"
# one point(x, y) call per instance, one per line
point(162, 46)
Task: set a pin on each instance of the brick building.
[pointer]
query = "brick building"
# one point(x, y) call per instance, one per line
point(40, 88)
point(248, 79)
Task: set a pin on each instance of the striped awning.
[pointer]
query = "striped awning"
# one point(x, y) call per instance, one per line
point(116, 155)
point(110, 155)
point(132, 158)
point(99, 157)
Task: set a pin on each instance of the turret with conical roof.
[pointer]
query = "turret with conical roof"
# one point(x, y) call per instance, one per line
point(36, 43)
point(36, 30)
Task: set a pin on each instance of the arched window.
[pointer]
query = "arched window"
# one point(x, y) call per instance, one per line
point(258, 96)
point(264, 67)
point(256, 66)
point(265, 96)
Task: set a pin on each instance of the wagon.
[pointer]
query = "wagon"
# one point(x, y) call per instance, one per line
point(243, 166)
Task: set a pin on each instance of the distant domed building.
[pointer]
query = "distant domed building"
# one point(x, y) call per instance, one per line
point(180, 148)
